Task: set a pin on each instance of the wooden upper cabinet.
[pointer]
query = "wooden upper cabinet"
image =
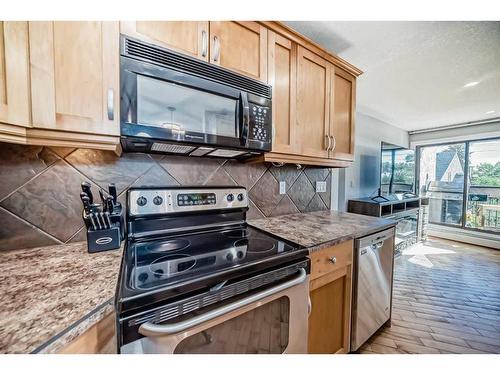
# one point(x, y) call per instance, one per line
point(240, 46)
point(342, 109)
point(14, 74)
point(75, 76)
point(188, 37)
point(313, 103)
point(282, 63)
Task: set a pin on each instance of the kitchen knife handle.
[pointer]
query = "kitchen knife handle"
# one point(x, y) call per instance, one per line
point(86, 188)
point(112, 192)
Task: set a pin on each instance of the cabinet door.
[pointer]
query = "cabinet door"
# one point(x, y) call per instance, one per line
point(74, 76)
point(342, 114)
point(313, 103)
point(240, 46)
point(14, 74)
point(330, 293)
point(189, 37)
point(282, 77)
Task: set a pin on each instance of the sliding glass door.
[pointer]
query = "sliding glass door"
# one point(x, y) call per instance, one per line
point(462, 182)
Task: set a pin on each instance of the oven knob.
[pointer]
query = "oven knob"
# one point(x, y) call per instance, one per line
point(240, 197)
point(143, 277)
point(157, 200)
point(229, 257)
point(141, 201)
point(230, 197)
point(240, 254)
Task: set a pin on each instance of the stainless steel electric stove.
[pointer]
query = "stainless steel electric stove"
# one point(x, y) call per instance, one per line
point(193, 268)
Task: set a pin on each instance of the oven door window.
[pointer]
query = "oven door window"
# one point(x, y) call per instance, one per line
point(171, 106)
point(264, 330)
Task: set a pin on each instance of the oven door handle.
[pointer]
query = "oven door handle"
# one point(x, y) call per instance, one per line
point(152, 329)
point(245, 119)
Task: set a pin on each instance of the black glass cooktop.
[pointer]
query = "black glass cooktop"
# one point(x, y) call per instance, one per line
point(204, 258)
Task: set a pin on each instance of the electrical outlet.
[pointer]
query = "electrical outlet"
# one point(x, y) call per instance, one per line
point(320, 186)
point(282, 187)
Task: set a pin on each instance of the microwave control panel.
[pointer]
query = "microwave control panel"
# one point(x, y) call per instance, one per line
point(260, 123)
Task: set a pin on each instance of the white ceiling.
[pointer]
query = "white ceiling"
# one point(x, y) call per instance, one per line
point(415, 72)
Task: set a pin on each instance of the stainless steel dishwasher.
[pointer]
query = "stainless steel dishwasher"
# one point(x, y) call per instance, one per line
point(372, 285)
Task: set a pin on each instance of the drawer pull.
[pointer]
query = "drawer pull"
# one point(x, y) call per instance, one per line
point(333, 260)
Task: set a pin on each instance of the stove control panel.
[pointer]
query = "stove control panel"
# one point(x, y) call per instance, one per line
point(158, 201)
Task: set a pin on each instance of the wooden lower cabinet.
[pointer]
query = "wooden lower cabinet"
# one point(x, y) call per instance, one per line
point(330, 294)
point(98, 339)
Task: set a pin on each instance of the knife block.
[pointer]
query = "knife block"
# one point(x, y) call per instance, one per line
point(109, 238)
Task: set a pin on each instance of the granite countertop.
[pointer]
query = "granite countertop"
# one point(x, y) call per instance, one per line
point(52, 294)
point(317, 230)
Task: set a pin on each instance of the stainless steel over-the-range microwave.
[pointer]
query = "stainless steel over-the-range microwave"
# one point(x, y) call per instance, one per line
point(172, 103)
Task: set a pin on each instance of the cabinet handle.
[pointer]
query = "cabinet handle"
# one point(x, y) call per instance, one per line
point(216, 48)
point(334, 143)
point(111, 104)
point(329, 142)
point(204, 43)
point(309, 306)
point(333, 260)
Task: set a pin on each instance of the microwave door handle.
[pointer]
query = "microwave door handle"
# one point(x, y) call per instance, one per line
point(152, 329)
point(245, 115)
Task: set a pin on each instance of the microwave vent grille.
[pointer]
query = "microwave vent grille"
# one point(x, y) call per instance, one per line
point(167, 147)
point(167, 58)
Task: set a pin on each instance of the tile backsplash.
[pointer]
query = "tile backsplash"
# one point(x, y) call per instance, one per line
point(40, 187)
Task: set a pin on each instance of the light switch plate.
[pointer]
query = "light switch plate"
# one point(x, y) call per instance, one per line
point(320, 186)
point(282, 187)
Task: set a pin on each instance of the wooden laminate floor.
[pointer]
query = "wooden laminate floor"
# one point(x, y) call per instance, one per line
point(446, 299)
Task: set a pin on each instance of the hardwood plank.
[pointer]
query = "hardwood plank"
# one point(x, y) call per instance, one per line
point(452, 307)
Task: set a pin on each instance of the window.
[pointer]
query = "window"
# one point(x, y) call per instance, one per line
point(465, 171)
point(483, 203)
point(398, 170)
point(441, 179)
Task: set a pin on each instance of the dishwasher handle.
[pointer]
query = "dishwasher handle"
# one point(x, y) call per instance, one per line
point(152, 329)
point(375, 239)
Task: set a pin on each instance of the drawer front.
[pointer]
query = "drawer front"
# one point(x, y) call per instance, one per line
point(331, 259)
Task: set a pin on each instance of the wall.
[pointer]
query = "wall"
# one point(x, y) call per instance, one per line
point(465, 133)
point(40, 187)
point(363, 177)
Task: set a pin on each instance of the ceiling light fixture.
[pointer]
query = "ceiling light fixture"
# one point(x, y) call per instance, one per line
point(470, 84)
point(490, 112)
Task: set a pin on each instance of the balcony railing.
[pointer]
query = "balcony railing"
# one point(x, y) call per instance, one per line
point(483, 208)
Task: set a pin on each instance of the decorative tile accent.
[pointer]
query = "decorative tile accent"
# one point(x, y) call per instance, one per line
point(301, 192)
point(326, 196)
point(190, 170)
point(221, 177)
point(41, 191)
point(287, 173)
point(105, 167)
point(156, 176)
point(17, 234)
point(253, 212)
point(62, 151)
point(245, 174)
point(18, 164)
point(265, 193)
point(285, 207)
point(51, 201)
point(316, 174)
point(316, 204)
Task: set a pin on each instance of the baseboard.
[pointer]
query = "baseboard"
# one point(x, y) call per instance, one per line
point(461, 235)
